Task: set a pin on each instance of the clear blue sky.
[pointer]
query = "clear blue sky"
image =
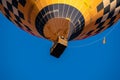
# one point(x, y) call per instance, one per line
point(25, 57)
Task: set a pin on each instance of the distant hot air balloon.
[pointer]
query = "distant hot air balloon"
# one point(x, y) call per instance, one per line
point(62, 20)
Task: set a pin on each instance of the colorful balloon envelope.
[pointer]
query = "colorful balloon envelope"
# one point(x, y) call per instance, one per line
point(62, 20)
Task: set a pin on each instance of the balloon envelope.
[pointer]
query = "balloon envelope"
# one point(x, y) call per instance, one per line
point(50, 19)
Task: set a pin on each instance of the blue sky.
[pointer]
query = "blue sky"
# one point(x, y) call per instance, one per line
point(26, 57)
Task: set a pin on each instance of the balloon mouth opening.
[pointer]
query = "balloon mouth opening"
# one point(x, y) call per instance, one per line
point(56, 27)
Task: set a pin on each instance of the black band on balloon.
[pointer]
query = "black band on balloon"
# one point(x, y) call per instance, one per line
point(61, 11)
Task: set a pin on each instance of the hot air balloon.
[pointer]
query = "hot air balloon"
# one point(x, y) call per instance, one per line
point(62, 21)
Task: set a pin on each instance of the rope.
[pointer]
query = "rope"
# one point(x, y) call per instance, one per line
point(88, 44)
